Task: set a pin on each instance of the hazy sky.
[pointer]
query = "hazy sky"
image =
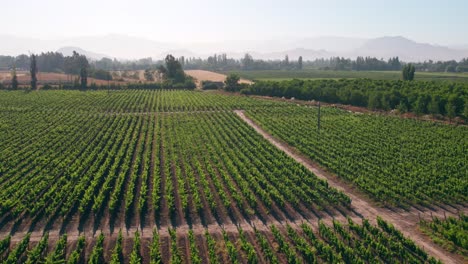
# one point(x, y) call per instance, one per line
point(432, 21)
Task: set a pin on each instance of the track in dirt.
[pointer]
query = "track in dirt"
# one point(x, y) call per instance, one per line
point(406, 221)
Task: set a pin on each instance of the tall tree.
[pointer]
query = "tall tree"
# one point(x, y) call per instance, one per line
point(80, 63)
point(299, 63)
point(404, 73)
point(232, 83)
point(247, 62)
point(173, 70)
point(286, 60)
point(412, 70)
point(182, 61)
point(14, 79)
point(33, 71)
point(84, 77)
point(172, 65)
point(408, 72)
point(77, 64)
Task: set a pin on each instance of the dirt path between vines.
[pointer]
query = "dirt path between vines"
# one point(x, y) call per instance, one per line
point(361, 207)
point(406, 221)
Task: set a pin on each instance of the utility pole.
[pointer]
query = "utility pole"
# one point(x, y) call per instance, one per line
point(318, 117)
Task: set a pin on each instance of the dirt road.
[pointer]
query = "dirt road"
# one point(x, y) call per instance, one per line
point(406, 221)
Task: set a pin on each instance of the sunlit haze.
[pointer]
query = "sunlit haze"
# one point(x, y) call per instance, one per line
point(208, 20)
point(142, 28)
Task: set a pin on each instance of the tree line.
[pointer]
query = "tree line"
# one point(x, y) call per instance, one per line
point(220, 62)
point(76, 64)
point(56, 62)
point(420, 97)
point(171, 74)
point(359, 64)
point(443, 66)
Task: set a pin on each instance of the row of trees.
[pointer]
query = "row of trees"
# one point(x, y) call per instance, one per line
point(223, 63)
point(437, 98)
point(360, 64)
point(171, 73)
point(56, 62)
point(33, 71)
point(120, 65)
point(75, 64)
point(443, 66)
point(220, 62)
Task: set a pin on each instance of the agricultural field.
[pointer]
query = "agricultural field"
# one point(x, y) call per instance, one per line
point(450, 232)
point(198, 75)
point(280, 75)
point(398, 162)
point(142, 176)
point(335, 243)
point(201, 75)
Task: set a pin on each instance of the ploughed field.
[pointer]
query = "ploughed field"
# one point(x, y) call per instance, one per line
point(177, 176)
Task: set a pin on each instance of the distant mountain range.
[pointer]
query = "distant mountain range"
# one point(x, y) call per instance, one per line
point(68, 51)
point(126, 47)
point(408, 50)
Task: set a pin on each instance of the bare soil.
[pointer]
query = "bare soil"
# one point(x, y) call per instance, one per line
point(201, 75)
point(24, 78)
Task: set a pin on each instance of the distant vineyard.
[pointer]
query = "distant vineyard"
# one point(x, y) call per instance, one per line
point(129, 101)
point(336, 243)
point(396, 161)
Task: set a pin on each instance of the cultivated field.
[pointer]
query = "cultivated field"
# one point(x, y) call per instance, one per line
point(144, 176)
point(450, 232)
point(201, 75)
point(399, 162)
point(278, 75)
point(198, 75)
